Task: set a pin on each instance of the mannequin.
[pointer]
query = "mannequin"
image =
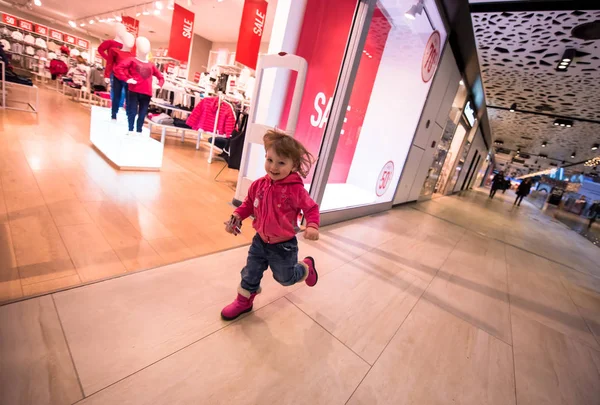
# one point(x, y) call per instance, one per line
point(118, 92)
point(137, 72)
point(120, 31)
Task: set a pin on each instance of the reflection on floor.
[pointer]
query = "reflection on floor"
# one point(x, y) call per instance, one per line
point(460, 300)
point(67, 217)
point(580, 225)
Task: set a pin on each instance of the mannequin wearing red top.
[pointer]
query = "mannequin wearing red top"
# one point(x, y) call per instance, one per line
point(118, 92)
point(109, 44)
point(138, 73)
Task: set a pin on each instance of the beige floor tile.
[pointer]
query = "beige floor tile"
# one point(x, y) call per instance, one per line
point(362, 303)
point(10, 283)
point(551, 368)
point(172, 250)
point(536, 291)
point(134, 321)
point(437, 358)
point(278, 355)
point(472, 285)
point(585, 292)
point(35, 367)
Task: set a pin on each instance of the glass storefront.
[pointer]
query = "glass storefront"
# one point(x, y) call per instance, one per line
point(438, 172)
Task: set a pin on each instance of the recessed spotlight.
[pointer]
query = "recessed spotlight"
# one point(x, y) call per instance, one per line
point(544, 144)
point(37, 3)
point(513, 107)
point(157, 12)
point(462, 83)
point(72, 24)
point(91, 22)
point(573, 155)
point(556, 123)
point(158, 5)
point(595, 146)
point(562, 125)
point(82, 24)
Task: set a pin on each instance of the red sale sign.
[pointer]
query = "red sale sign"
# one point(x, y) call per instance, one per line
point(431, 56)
point(9, 19)
point(132, 25)
point(69, 39)
point(197, 76)
point(182, 30)
point(83, 43)
point(322, 43)
point(40, 29)
point(251, 32)
point(385, 178)
point(26, 25)
point(56, 35)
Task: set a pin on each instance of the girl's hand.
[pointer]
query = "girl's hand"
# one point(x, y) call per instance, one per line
point(234, 225)
point(311, 234)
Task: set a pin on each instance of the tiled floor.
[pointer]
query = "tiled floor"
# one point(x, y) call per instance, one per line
point(458, 300)
point(67, 217)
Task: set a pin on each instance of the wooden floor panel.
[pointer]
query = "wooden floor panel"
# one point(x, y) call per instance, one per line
point(67, 217)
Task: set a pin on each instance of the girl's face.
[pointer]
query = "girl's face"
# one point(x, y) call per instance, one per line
point(278, 167)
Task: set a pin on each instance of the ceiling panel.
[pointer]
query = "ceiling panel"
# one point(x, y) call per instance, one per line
point(518, 53)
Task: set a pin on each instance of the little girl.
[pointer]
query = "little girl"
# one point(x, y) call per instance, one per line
point(275, 202)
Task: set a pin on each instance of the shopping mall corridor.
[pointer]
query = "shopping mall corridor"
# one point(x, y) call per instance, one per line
point(458, 300)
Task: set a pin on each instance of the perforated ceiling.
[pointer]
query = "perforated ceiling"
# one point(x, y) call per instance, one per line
point(518, 53)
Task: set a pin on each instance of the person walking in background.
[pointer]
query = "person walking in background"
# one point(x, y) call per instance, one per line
point(522, 191)
point(497, 183)
point(594, 213)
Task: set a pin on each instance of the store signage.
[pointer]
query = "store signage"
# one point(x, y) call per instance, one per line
point(323, 49)
point(56, 35)
point(197, 76)
point(170, 68)
point(132, 25)
point(469, 113)
point(42, 30)
point(9, 19)
point(83, 43)
point(182, 30)
point(384, 179)
point(26, 25)
point(69, 39)
point(431, 56)
point(251, 32)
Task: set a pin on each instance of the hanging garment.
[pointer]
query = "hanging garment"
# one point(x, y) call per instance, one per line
point(17, 36)
point(5, 44)
point(236, 143)
point(40, 42)
point(65, 50)
point(141, 72)
point(29, 39)
point(204, 115)
point(97, 78)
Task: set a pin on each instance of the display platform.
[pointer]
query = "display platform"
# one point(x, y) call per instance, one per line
point(126, 152)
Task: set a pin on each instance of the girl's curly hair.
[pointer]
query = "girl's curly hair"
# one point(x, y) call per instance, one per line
point(286, 146)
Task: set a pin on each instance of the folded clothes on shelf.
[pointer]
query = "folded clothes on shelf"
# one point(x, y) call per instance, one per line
point(161, 118)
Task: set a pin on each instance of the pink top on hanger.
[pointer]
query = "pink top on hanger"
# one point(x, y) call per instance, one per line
point(204, 115)
point(103, 51)
point(141, 72)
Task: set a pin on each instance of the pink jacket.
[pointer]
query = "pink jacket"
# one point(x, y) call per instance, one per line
point(275, 206)
point(204, 115)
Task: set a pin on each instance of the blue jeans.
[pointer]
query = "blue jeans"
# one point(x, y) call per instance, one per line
point(137, 104)
point(281, 257)
point(118, 94)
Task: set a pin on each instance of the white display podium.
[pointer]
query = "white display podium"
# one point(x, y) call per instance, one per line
point(126, 152)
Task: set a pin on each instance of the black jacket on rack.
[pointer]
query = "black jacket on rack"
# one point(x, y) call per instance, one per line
point(236, 143)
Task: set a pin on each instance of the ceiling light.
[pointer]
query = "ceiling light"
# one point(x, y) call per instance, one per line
point(415, 10)
point(513, 107)
point(562, 125)
point(91, 22)
point(544, 144)
point(37, 3)
point(573, 155)
point(146, 12)
point(82, 24)
point(171, 5)
point(157, 12)
point(72, 24)
point(556, 124)
point(595, 146)
point(566, 60)
point(118, 18)
point(563, 122)
point(158, 5)
point(462, 83)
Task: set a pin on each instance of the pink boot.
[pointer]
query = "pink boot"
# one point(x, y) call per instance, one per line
point(241, 305)
point(313, 276)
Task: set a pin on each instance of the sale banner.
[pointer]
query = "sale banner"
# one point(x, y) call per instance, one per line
point(132, 25)
point(26, 25)
point(83, 43)
point(322, 43)
point(41, 29)
point(9, 19)
point(69, 39)
point(197, 76)
point(56, 35)
point(251, 32)
point(182, 30)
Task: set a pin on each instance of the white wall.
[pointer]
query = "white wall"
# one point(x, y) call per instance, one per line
point(430, 128)
point(477, 145)
point(231, 46)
